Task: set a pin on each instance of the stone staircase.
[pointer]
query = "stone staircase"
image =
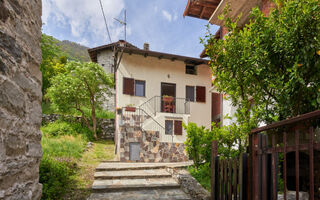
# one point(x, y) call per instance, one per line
point(138, 181)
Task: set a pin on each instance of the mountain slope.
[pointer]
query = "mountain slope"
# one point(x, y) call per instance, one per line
point(74, 50)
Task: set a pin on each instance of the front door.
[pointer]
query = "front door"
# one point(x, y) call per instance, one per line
point(168, 90)
point(134, 151)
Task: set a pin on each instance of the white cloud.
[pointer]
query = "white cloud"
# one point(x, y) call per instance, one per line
point(84, 16)
point(167, 15)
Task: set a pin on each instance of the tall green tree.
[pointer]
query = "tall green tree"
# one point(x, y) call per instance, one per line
point(83, 85)
point(274, 60)
point(53, 60)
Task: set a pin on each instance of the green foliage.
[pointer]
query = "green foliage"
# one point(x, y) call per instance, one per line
point(53, 60)
point(232, 140)
point(194, 142)
point(202, 175)
point(55, 177)
point(64, 146)
point(274, 60)
point(48, 108)
point(84, 85)
point(60, 127)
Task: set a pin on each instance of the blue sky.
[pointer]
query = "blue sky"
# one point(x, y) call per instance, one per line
point(158, 22)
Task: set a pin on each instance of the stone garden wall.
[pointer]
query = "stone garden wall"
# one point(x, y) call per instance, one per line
point(151, 150)
point(105, 126)
point(20, 99)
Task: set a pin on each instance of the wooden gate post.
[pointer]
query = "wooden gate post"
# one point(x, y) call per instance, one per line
point(214, 153)
point(243, 176)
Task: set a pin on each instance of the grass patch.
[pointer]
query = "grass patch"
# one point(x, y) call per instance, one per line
point(67, 146)
point(202, 175)
point(60, 128)
point(101, 151)
point(67, 168)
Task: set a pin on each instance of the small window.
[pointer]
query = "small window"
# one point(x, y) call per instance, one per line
point(168, 127)
point(140, 88)
point(191, 69)
point(190, 93)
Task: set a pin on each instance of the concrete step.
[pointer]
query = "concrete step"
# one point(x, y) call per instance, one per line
point(133, 184)
point(144, 194)
point(132, 174)
point(117, 166)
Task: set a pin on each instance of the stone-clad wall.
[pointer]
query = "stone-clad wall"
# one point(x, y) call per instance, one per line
point(151, 150)
point(20, 99)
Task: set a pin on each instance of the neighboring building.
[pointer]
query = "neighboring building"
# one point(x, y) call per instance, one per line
point(211, 10)
point(156, 92)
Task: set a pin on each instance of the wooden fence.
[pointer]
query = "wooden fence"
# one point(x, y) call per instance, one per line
point(284, 151)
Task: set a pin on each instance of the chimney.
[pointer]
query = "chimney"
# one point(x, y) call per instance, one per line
point(146, 46)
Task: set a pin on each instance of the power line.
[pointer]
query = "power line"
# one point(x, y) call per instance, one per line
point(105, 21)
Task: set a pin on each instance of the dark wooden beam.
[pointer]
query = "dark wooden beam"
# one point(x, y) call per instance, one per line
point(186, 10)
point(202, 12)
point(308, 116)
point(206, 4)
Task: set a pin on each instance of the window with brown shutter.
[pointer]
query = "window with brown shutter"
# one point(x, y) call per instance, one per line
point(128, 86)
point(201, 94)
point(177, 127)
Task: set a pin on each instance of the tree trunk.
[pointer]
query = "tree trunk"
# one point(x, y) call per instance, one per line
point(85, 119)
point(93, 117)
point(94, 122)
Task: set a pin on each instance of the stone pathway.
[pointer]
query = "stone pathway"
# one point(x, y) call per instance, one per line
point(138, 181)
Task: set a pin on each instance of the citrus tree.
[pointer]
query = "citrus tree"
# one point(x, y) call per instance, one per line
point(83, 85)
point(272, 61)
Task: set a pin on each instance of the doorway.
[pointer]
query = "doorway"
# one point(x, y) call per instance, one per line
point(168, 96)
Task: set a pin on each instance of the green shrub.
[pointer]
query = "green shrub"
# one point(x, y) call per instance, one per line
point(194, 142)
point(60, 127)
point(199, 141)
point(202, 174)
point(55, 177)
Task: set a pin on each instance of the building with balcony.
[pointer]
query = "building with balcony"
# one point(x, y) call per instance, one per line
point(155, 93)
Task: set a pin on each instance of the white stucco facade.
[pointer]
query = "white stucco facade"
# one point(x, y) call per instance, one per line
point(155, 71)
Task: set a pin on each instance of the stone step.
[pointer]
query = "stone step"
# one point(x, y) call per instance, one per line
point(133, 184)
point(144, 194)
point(117, 166)
point(132, 174)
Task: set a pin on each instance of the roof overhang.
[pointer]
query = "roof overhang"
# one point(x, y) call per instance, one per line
point(237, 7)
point(133, 50)
point(202, 9)
point(160, 55)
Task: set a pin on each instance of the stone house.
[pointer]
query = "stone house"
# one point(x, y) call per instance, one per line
point(154, 94)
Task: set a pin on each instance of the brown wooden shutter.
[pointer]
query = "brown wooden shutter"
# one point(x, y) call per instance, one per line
point(177, 127)
point(201, 94)
point(128, 86)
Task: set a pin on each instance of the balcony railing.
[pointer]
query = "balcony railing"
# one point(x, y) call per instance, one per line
point(166, 105)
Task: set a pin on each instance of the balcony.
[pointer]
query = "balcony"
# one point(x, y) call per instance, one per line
point(166, 104)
